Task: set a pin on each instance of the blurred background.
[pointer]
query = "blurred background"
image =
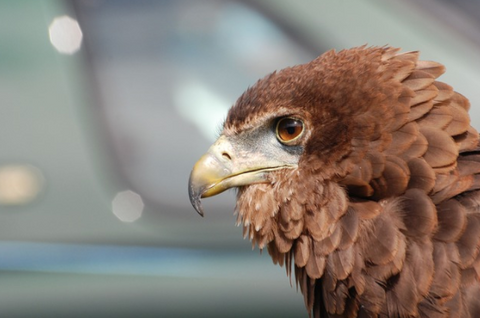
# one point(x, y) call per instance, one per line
point(107, 104)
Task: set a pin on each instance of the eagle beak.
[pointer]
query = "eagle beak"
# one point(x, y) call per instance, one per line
point(226, 165)
point(206, 178)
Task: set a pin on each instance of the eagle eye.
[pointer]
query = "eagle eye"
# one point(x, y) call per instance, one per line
point(289, 129)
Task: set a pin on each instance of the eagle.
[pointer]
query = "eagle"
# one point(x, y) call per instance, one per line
point(360, 173)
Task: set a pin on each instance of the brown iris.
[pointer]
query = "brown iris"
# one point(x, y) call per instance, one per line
point(289, 129)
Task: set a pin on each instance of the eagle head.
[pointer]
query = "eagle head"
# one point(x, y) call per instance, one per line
point(290, 140)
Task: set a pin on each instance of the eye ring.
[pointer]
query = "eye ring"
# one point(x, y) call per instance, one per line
point(289, 129)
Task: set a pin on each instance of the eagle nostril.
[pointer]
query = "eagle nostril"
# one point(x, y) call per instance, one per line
point(225, 155)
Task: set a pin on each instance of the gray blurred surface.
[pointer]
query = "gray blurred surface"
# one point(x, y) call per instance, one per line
point(126, 117)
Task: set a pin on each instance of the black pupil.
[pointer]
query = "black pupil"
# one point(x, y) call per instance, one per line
point(291, 128)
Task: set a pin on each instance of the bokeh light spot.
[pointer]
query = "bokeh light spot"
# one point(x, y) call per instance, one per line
point(19, 184)
point(127, 206)
point(65, 34)
point(201, 106)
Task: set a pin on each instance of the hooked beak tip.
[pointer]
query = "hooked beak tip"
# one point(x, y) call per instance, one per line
point(195, 197)
point(197, 205)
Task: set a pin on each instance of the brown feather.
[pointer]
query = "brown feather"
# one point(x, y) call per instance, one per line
point(382, 242)
point(422, 175)
point(454, 185)
point(420, 258)
point(460, 122)
point(445, 91)
point(411, 57)
point(283, 243)
point(366, 210)
point(452, 220)
point(441, 148)
point(472, 295)
point(372, 299)
point(295, 230)
point(418, 80)
point(315, 264)
point(433, 68)
point(340, 263)
point(428, 307)
point(382, 273)
point(277, 257)
point(469, 165)
point(420, 214)
point(467, 141)
point(469, 243)
point(416, 150)
point(302, 250)
point(394, 180)
point(330, 243)
point(403, 138)
point(349, 224)
point(335, 301)
point(402, 297)
point(455, 306)
point(316, 224)
point(377, 162)
point(418, 110)
point(440, 116)
point(424, 95)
